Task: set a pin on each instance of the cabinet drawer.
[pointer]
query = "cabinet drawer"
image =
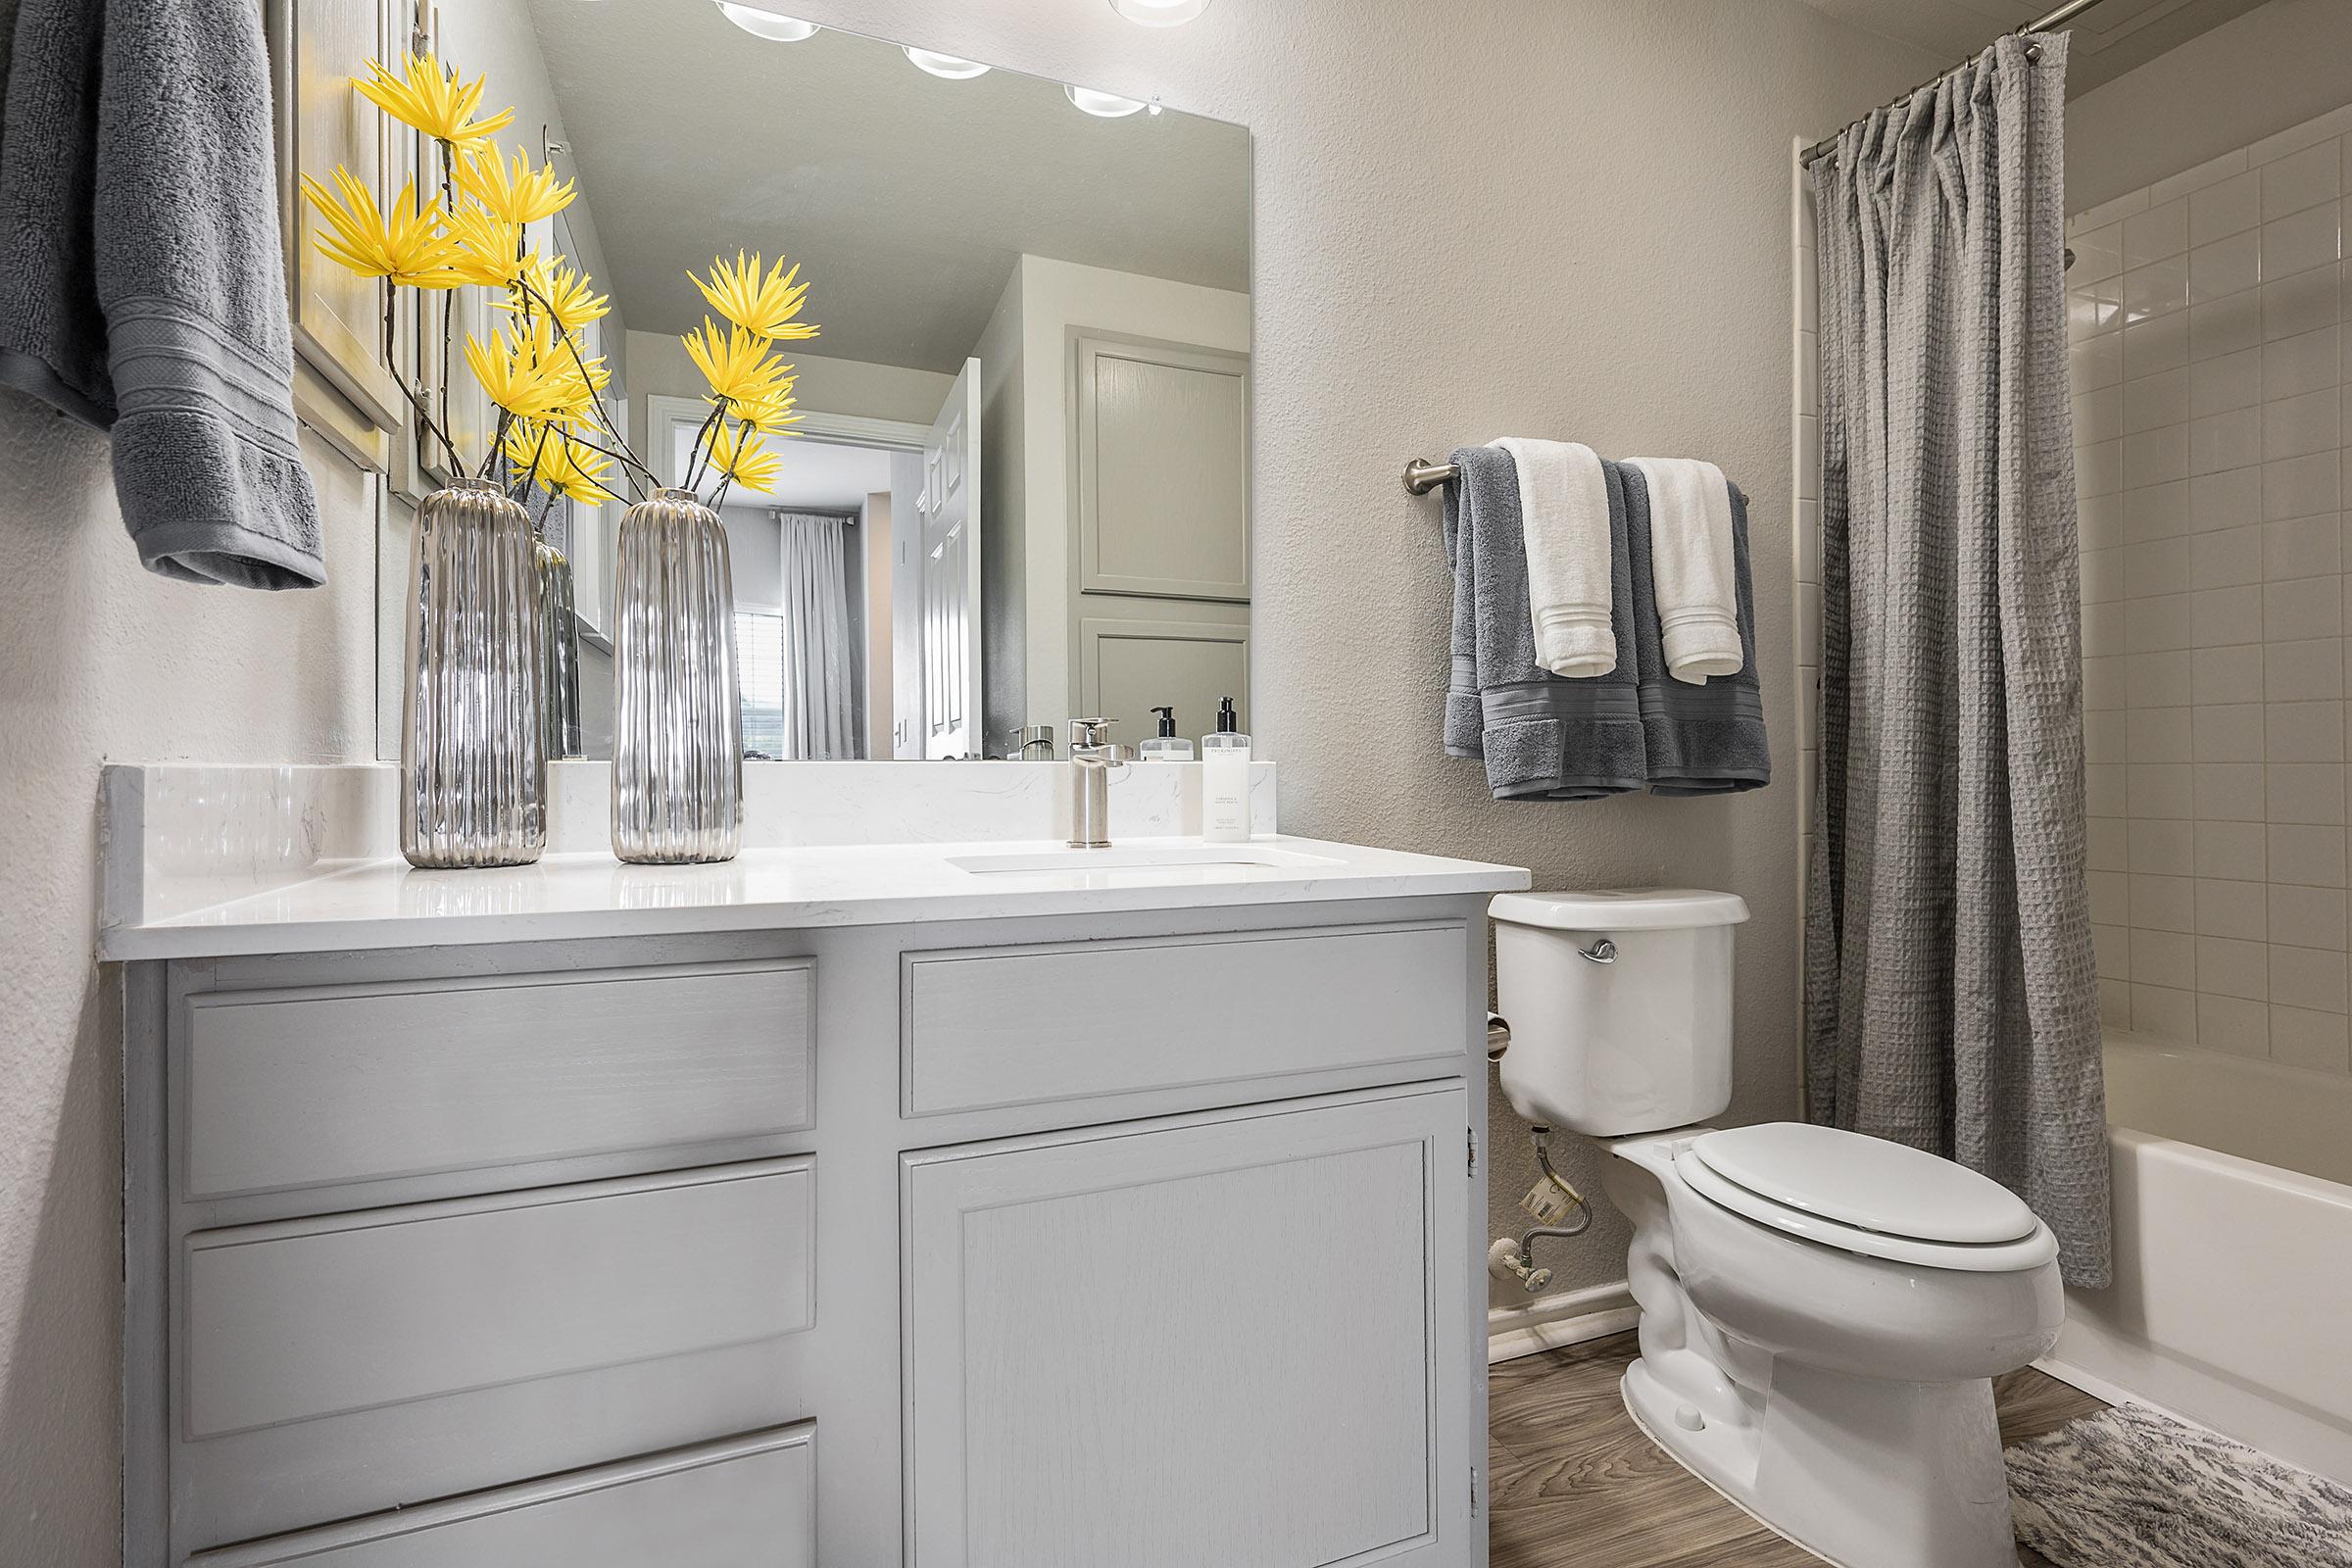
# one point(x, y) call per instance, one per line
point(743, 1502)
point(297, 1319)
point(1007, 1026)
point(324, 1085)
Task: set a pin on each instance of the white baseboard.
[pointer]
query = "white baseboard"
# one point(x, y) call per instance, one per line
point(1566, 1318)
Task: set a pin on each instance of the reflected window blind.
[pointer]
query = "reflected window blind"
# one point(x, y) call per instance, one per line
point(759, 662)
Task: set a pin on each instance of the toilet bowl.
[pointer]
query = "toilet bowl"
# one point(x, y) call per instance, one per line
point(1822, 1312)
point(1843, 1398)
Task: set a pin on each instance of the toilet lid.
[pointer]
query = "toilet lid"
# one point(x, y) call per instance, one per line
point(1867, 1183)
point(2030, 1252)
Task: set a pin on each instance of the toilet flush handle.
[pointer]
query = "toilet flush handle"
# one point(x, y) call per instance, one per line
point(1603, 950)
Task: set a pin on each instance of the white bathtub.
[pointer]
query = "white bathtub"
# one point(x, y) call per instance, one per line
point(2232, 1302)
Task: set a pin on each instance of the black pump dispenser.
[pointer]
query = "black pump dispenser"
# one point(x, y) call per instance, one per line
point(1167, 723)
point(1229, 723)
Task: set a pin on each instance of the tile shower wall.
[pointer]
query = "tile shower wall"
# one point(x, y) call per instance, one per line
point(2207, 319)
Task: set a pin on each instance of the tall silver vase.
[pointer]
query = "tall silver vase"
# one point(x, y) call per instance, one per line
point(677, 720)
point(473, 749)
point(559, 651)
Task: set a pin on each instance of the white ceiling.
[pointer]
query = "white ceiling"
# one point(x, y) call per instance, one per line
point(2110, 38)
point(906, 197)
point(817, 476)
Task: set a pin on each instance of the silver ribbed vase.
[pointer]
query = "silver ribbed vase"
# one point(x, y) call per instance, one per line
point(559, 651)
point(677, 720)
point(473, 751)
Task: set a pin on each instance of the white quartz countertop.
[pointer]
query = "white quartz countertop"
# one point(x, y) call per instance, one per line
point(388, 903)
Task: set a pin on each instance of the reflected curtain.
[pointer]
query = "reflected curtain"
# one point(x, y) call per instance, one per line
point(818, 673)
point(1951, 998)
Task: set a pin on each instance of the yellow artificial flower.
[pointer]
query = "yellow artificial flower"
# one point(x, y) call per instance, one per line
point(525, 372)
point(404, 245)
point(489, 250)
point(521, 195)
point(737, 366)
point(764, 306)
point(770, 416)
point(547, 455)
point(557, 290)
point(438, 102)
point(739, 455)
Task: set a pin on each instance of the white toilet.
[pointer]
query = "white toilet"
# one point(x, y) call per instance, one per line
point(1821, 1313)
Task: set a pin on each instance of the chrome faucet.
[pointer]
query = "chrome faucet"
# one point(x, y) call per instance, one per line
point(1094, 756)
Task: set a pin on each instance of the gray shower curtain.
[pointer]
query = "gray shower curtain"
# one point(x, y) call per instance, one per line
point(1950, 998)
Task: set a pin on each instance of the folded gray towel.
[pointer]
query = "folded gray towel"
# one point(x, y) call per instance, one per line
point(1542, 737)
point(1707, 739)
point(142, 285)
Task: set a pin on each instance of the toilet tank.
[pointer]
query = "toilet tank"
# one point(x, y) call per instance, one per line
point(1620, 1006)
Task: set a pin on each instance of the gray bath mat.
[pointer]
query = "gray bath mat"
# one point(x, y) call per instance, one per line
point(2130, 1488)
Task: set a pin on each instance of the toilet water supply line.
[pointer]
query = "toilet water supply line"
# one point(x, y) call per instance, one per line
point(1551, 1200)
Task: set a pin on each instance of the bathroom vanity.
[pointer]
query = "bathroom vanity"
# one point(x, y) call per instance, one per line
point(972, 1204)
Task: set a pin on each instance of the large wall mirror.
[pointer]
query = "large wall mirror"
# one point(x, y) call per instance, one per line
point(1020, 491)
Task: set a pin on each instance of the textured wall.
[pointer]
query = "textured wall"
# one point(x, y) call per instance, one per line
point(1497, 215)
point(100, 659)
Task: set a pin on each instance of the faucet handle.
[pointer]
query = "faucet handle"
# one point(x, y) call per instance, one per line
point(1090, 732)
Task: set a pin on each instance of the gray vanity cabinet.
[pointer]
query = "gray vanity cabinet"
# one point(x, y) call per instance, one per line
point(869, 1245)
point(1228, 1339)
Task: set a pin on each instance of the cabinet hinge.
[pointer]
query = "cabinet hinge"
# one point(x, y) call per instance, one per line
point(1473, 1132)
point(1473, 1491)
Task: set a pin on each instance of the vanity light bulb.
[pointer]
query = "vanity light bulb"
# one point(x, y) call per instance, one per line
point(1160, 13)
point(947, 66)
point(766, 24)
point(1102, 104)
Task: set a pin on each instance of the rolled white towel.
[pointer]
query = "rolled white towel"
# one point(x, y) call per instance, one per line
point(1691, 567)
point(1564, 513)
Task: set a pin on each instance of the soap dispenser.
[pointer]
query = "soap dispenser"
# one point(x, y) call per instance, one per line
point(1167, 745)
point(1225, 779)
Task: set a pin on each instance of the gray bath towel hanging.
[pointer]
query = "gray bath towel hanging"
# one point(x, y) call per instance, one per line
point(1542, 738)
point(141, 284)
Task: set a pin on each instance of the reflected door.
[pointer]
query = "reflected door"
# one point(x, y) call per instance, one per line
point(950, 572)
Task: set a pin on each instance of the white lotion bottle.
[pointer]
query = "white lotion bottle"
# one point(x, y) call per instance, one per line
point(1225, 780)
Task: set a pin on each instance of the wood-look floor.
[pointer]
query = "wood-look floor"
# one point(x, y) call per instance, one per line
point(1574, 1484)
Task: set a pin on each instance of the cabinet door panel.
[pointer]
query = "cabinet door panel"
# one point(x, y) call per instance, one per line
point(1122, 1349)
point(1162, 470)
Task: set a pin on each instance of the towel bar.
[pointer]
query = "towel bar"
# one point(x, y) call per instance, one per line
point(1421, 476)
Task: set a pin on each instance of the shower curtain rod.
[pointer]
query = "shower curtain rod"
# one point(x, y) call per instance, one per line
point(2056, 19)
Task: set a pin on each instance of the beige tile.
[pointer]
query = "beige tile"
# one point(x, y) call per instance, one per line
point(2311, 669)
point(2098, 253)
point(2164, 903)
point(2302, 732)
point(2115, 1002)
point(2156, 567)
point(2104, 576)
point(2319, 127)
point(2230, 852)
point(2288, 185)
point(2306, 917)
point(2311, 978)
point(2161, 790)
point(2230, 732)
point(2165, 1013)
point(2107, 789)
point(2223, 676)
point(2163, 680)
point(2312, 237)
point(2301, 547)
point(2163, 848)
point(2107, 844)
point(2290, 366)
point(2290, 307)
point(2110, 898)
point(2164, 957)
point(2159, 287)
point(2308, 607)
point(2233, 1024)
point(2308, 793)
point(2224, 267)
point(2162, 341)
point(2292, 427)
point(2102, 629)
point(2301, 1038)
point(2158, 735)
point(2111, 946)
point(2233, 910)
point(2305, 856)
point(2150, 402)
point(2216, 327)
point(2163, 231)
point(2158, 623)
point(2154, 457)
point(2301, 487)
point(2097, 361)
point(2210, 172)
point(2233, 382)
point(2224, 616)
point(2220, 502)
point(2226, 206)
point(2106, 734)
point(2225, 792)
point(2219, 441)
point(2099, 519)
point(2224, 966)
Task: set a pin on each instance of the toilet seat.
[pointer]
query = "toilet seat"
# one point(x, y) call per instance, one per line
point(1866, 1196)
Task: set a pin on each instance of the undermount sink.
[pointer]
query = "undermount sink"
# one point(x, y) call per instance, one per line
point(1141, 857)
